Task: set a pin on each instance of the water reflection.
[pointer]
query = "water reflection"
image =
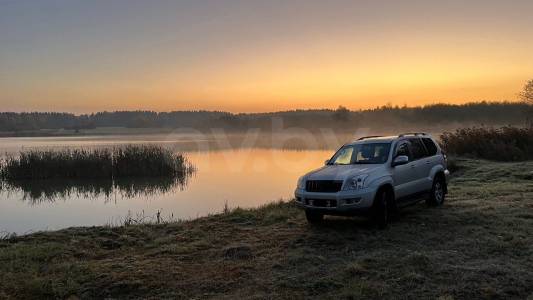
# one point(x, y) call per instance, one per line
point(52, 190)
point(240, 178)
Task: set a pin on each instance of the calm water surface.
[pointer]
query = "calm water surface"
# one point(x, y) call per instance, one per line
point(239, 177)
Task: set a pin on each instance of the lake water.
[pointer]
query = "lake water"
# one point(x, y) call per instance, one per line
point(242, 176)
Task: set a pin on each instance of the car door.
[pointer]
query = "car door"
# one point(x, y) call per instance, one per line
point(420, 165)
point(404, 176)
point(432, 159)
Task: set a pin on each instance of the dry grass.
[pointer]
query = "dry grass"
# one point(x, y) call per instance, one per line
point(500, 144)
point(478, 245)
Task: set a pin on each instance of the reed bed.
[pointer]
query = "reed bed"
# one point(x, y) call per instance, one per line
point(122, 162)
point(500, 144)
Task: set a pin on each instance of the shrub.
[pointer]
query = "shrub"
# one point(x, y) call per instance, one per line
point(501, 144)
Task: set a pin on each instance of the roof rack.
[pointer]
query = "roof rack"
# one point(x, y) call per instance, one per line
point(368, 137)
point(412, 133)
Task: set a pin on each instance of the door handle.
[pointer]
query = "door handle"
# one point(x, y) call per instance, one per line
point(428, 162)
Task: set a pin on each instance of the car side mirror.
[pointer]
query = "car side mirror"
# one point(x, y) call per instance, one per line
point(400, 160)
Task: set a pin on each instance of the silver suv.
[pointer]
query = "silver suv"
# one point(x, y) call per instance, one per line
point(375, 176)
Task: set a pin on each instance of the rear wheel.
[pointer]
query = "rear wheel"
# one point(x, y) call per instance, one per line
point(438, 192)
point(381, 210)
point(313, 217)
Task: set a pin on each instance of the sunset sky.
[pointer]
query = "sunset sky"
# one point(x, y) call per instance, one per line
point(260, 55)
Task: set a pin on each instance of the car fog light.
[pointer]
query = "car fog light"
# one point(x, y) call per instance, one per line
point(350, 201)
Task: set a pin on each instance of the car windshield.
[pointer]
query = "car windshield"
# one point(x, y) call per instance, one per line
point(364, 153)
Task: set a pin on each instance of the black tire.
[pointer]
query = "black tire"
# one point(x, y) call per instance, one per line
point(381, 209)
point(438, 192)
point(313, 217)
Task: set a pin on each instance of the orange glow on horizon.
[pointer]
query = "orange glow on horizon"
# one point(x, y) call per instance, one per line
point(287, 56)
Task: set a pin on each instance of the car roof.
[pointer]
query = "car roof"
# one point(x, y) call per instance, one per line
point(375, 139)
point(386, 139)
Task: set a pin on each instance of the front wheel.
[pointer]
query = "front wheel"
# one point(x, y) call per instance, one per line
point(438, 192)
point(381, 209)
point(313, 217)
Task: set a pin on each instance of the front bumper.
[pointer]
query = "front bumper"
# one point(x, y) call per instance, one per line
point(340, 203)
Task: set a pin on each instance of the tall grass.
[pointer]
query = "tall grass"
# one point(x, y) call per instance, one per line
point(128, 161)
point(501, 144)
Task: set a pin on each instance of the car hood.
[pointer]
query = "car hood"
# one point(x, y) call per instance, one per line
point(341, 172)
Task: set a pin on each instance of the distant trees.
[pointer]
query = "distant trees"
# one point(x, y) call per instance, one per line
point(10, 121)
point(341, 114)
point(527, 93)
point(341, 119)
point(527, 96)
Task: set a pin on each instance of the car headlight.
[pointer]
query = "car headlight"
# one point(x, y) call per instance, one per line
point(301, 183)
point(355, 183)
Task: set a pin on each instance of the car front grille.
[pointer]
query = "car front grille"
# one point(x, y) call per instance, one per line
point(323, 186)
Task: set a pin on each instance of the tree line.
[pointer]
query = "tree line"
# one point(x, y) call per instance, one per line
point(479, 113)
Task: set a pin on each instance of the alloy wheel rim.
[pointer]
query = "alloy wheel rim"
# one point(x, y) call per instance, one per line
point(438, 192)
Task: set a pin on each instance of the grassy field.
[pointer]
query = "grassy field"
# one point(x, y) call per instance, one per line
point(478, 245)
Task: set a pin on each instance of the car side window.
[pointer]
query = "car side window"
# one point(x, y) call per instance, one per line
point(418, 149)
point(430, 146)
point(403, 149)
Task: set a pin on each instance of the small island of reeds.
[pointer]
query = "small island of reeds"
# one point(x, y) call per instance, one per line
point(121, 162)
